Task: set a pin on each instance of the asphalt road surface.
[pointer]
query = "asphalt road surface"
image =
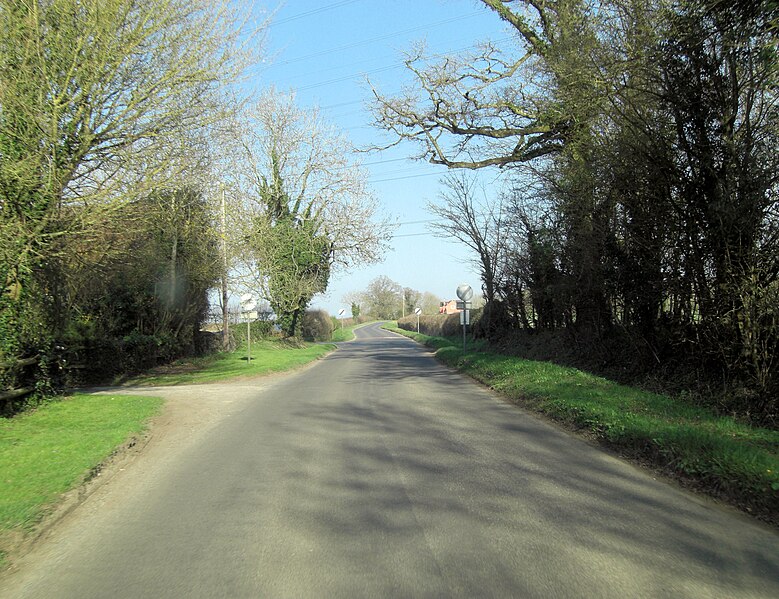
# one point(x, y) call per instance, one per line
point(379, 473)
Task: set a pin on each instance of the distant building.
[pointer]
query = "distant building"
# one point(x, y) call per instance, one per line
point(449, 307)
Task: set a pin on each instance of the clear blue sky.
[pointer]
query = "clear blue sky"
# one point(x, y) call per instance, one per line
point(324, 51)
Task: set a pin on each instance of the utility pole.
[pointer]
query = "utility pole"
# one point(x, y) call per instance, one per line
point(225, 312)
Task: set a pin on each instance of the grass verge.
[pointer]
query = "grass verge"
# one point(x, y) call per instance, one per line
point(347, 333)
point(48, 451)
point(716, 454)
point(344, 334)
point(268, 356)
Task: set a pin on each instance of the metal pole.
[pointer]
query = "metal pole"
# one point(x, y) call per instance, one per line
point(248, 341)
point(465, 320)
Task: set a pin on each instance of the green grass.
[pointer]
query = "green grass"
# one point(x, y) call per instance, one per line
point(347, 333)
point(268, 356)
point(344, 334)
point(721, 454)
point(48, 451)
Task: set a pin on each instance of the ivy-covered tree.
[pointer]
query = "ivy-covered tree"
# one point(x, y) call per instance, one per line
point(295, 263)
point(310, 210)
point(356, 310)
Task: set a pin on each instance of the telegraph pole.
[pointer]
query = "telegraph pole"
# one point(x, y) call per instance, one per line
point(225, 312)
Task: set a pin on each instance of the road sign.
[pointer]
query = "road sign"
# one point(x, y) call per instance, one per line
point(248, 303)
point(465, 292)
point(341, 312)
point(417, 310)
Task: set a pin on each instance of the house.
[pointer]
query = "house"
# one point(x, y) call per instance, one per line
point(449, 307)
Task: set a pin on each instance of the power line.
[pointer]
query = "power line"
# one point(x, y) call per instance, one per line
point(376, 39)
point(408, 177)
point(350, 103)
point(410, 235)
point(377, 70)
point(350, 77)
point(403, 171)
point(385, 161)
point(313, 11)
point(420, 222)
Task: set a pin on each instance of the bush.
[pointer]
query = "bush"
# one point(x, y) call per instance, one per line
point(261, 329)
point(492, 321)
point(316, 326)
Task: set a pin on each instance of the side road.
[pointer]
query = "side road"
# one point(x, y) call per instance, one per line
point(50, 468)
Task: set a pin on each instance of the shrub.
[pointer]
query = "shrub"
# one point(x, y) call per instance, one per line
point(316, 326)
point(261, 329)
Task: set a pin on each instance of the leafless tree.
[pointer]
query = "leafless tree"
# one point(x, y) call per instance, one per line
point(479, 224)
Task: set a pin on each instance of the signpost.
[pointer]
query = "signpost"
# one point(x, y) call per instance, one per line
point(465, 293)
point(248, 308)
point(341, 315)
point(417, 311)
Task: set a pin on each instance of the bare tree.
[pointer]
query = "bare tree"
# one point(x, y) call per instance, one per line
point(480, 225)
point(430, 303)
point(498, 106)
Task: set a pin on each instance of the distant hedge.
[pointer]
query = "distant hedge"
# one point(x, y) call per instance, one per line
point(347, 322)
point(439, 325)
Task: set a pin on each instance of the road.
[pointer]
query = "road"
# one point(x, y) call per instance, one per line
point(379, 473)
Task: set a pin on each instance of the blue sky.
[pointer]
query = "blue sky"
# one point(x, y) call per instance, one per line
point(324, 51)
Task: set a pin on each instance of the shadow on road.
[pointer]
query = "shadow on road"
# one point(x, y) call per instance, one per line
point(493, 493)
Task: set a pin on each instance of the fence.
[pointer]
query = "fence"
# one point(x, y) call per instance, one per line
point(8, 395)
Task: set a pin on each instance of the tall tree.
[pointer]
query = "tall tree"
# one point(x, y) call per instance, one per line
point(383, 298)
point(100, 101)
point(312, 211)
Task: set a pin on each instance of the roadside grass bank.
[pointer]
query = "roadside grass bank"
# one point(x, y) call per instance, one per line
point(716, 454)
point(347, 333)
point(267, 356)
point(47, 452)
point(344, 334)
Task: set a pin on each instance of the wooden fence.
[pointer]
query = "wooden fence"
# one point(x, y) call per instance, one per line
point(7, 395)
